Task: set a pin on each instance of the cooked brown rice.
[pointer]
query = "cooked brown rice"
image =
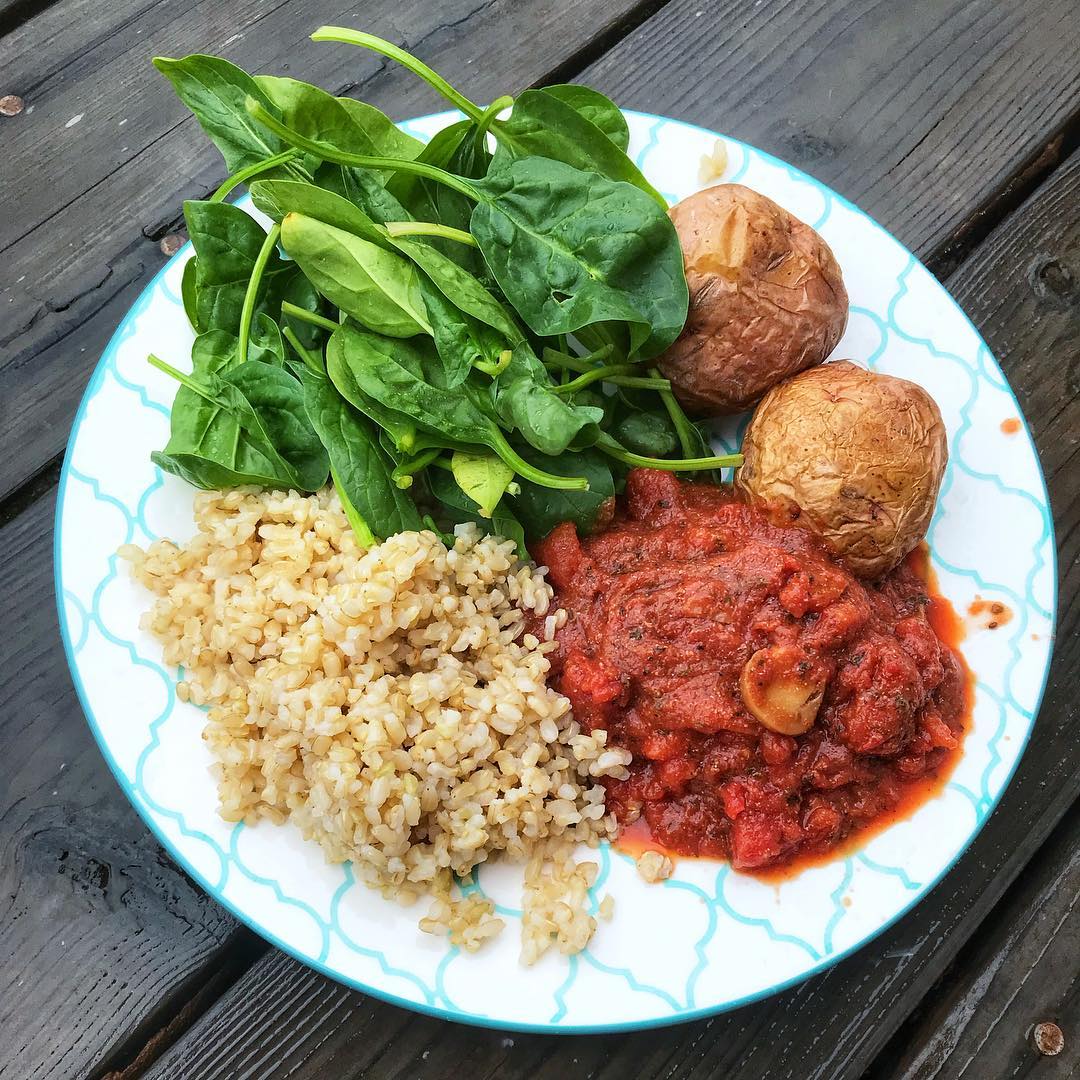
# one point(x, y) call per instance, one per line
point(388, 703)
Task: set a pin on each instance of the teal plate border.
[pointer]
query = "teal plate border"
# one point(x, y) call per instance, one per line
point(76, 627)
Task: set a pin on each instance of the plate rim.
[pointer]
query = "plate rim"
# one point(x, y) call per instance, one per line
point(472, 1019)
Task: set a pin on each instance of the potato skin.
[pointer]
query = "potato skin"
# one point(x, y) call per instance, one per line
point(853, 456)
point(767, 299)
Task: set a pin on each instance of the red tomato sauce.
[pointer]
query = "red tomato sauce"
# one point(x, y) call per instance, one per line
point(668, 603)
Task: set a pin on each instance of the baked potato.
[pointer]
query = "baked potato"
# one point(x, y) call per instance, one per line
point(767, 299)
point(853, 456)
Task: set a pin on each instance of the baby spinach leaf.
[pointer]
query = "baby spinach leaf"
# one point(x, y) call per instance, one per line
point(227, 243)
point(540, 509)
point(400, 429)
point(459, 508)
point(277, 198)
point(570, 249)
point(461, 340)
point(215, 91)
point(544, 125)
point(524, 400)
point(376, 287)
point(460, 287)
point(217, 350)
point(596, 108)
point(360, 467)
point(414, 193)
point(243, 425)
point(648, 433)
point(362, 187)
point(188, 294)
point(341, 122)
point(407, 377)
point(483, 477)
point(269, 404)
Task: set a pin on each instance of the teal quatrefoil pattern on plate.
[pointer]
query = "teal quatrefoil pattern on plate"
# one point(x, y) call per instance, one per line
point(707, 939)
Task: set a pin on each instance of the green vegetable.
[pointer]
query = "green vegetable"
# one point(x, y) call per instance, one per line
point(376, 287)
point(461, 340)
point(215, 91)
point(397, 347)
point(459, 508)
point(187, 295)
point(401, 429)
point(646, 433)
point(342, 122)
point(571, 249)
point(595, 107)
point(405, 377)
point(544, 125)
point(361, 470)
point(278, 198)
point(483, 477)
point(525, 399)
point(228, 245)
point(540, 510)
point(241, 425)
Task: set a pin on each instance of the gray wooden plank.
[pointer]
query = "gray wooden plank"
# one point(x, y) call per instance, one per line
point(921, 112)
point(92, 199)
point(1021, 287)
point(97, 925)
point(918, 112)
point(1023, 971)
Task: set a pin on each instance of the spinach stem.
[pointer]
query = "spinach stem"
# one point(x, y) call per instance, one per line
point(182, 379)
point(252, 293)
point(619, 374)
point(620, 453)
point(359, 161)
point(312, 317)
point(309, 358)
point(403, 473)
point(429, 228)
point(364, 536)
point(563, 359)
point(483, 125)
point(530, 472)
point(241, 176)
point(679, 418)
point(344, 36)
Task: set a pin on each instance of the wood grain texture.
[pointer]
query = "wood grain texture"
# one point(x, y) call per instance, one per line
point(1022, 288)
point(97, 925)
point(94, 195)
point(918, 112)
point(1023, 970)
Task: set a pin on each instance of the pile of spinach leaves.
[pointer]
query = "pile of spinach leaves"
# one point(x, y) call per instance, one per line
point(452, 331)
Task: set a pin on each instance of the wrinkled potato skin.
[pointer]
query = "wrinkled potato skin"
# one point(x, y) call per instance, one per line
point(856, 458)
point(767, 299)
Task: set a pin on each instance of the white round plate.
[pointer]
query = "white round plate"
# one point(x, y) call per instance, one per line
point(706, 940)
